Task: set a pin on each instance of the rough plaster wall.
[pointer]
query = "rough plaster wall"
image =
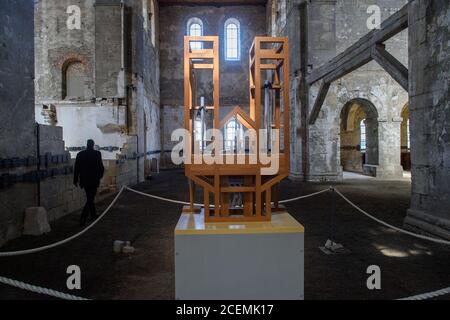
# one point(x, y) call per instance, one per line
point(233, 74)
point(285, 21)
point(145, 93)
point(55, 44)
point(430, 116)
point(106, 125)
point(109, 46)
point(17, 131)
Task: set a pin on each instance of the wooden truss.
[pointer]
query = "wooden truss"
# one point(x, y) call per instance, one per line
point(269, 76)
point(368, 48)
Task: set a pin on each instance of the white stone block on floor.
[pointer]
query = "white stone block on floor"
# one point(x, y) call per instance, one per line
point(36, 222)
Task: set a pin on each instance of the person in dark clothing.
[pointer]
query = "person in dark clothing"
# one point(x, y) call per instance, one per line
point(88, 172)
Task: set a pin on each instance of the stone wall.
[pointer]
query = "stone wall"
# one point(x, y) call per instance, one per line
point(429, 70)
point(105, 124)
point(326, 28)
point(56, 45)
point(121, 75)
point(121, 115)
point(234, 83)
point(17, 131)
point(57, 194)
point(144, 74)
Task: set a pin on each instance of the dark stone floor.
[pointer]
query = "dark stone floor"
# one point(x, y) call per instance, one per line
point(409, 266)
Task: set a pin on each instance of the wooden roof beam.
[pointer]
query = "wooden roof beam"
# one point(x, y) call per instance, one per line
point(350, 58)
point(392, 66)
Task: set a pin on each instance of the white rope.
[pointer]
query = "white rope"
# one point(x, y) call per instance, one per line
point(391, 226)
point(304, 197)
point(212, 206)
point(160, 198)
point(61, 295)
point(53, 245)
point(40, 290)
point(429, 295)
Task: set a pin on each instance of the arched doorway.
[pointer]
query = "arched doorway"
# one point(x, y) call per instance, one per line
point(404, 139)
point(359, 137)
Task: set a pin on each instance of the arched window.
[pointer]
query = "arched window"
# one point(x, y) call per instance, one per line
point(232, 39)
point(195, 29)
point(74, 80)
point(363, 135)
point(230, 135)
point(233, 136)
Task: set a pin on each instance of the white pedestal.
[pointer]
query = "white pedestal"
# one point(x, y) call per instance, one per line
point(239, 261)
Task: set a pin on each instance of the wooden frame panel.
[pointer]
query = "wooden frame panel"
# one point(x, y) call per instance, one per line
point(267, 54)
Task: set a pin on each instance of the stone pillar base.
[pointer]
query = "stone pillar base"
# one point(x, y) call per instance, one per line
point(390, 172)
point(296, 177)
point(422, 222)
point(325, 177)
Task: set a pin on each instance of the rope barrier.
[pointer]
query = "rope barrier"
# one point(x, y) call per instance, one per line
point(305, 196)
point(159, 198)
point(429, 295)
point(40, 290)
point(61, 295)
point(391, 226)
point(200, 204)
point(56, 244)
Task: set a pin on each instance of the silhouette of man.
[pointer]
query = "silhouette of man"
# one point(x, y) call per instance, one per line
point(88, 172)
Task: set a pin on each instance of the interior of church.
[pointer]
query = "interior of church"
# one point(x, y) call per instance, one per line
point(248, 150)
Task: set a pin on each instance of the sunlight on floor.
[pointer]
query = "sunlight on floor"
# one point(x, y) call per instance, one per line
point(397, 253)
point(354, 175)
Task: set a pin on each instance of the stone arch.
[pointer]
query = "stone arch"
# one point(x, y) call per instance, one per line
point(73, 79)
point(344, 96)
point(356, 154)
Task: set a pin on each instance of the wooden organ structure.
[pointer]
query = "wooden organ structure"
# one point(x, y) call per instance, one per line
point(239, 191)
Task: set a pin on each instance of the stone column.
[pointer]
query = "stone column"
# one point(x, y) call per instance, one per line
point(429, 70)
point(17, 130)
point(322, 147)
point(389, 150)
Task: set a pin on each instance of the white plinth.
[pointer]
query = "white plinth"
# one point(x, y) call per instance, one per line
point(239, 261)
